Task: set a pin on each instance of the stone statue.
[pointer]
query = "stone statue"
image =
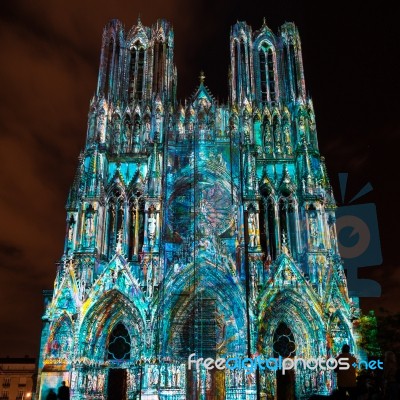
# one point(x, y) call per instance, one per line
point(151, 228)
point(136, 138)
point(89, 230)
point(101, 127)
point(252, 230)
point(313, 232)
point(153, 375)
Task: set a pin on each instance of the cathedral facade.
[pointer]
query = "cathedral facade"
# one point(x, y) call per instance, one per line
point(198, 229)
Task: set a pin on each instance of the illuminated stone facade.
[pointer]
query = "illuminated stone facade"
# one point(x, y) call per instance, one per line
point(200, 228)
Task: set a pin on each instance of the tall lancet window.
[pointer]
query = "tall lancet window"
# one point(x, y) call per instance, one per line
point(283, 219)
point(271, 77)
point(287, 221)
point(267, 74)
point(111, 217)
point(271, 227)
point(240, 68)
point(107, 60)
point(235, 67)
point(292, 225)
point(267, 224)
point(292, 62)
point(136, 72)
point(263, 76)
point(140, 74)
point(158, 66)
point(136, 226)
point(115, 74)
point(115, 219)
point(243, 67)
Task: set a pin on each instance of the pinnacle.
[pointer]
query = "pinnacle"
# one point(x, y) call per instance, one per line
point(202, 77)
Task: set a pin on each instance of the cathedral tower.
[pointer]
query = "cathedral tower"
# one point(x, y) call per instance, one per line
point(201, 229)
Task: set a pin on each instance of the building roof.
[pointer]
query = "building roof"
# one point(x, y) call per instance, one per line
point(17, 360)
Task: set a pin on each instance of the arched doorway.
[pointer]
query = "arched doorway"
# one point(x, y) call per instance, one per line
point(197, 333)
point(118, 349)
point(285, 347)
point(198, 327)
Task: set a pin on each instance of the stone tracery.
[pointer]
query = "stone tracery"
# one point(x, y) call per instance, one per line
point(201, 228)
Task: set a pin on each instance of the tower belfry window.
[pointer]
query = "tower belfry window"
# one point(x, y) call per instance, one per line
point(139, 77)
point(236, 67)
point(243, 67)
point(263, 76)
point(271, 78)
point(267, 74)
point(158, 66)
point(136, 72)
point(292, 61)
point(132, 67)
point(115, 75)
point(108, 59)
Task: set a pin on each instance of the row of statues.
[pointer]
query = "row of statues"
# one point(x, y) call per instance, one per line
point(128, 135)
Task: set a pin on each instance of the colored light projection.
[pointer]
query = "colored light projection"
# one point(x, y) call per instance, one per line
point(200, 228)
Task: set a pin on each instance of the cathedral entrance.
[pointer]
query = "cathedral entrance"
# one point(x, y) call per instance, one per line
point(285, 346)
point(116, 388)
point(119, 348)
point(197, 330)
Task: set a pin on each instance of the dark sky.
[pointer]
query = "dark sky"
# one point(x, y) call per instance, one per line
point(48, 72)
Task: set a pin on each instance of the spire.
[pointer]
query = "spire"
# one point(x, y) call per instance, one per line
point(286, 181)
point(265, 182)
point(93, 183)
point(305, 164)
point(137, 182)
point(324, 179)
point(202, 77)
point(77, 185)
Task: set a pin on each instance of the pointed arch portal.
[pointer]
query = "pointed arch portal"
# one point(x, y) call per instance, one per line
point(200, 227)
point(285, 347)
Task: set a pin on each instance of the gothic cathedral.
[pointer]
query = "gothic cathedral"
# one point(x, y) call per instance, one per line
point(200, 229)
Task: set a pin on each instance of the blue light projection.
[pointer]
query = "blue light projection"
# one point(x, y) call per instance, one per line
point(200, 228)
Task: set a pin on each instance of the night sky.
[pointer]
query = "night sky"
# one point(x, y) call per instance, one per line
point(48, 72)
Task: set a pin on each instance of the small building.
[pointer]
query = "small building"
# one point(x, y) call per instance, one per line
point(16, 378)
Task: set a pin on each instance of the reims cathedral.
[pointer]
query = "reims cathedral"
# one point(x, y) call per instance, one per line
point(197, 228)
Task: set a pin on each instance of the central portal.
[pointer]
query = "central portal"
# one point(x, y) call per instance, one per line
point(285, 347)
point(116, 388)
